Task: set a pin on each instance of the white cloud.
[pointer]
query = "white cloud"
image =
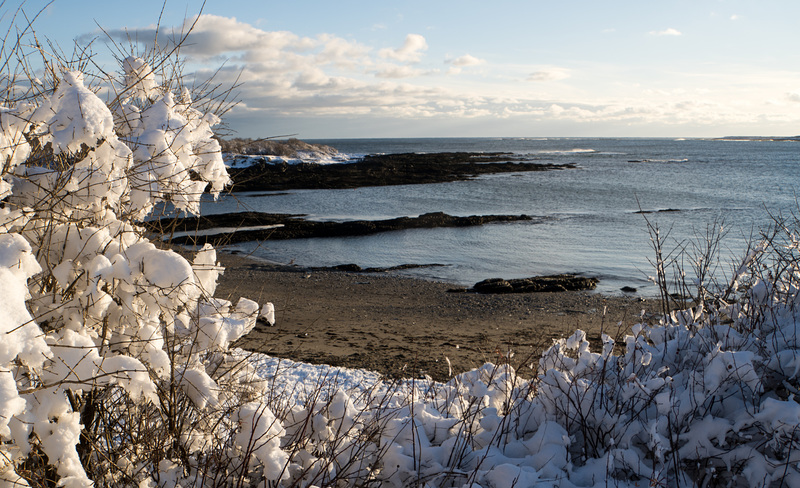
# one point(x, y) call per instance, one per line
point(215, 35)
point(736, 17)
point(465, 60)
point(409, 52)
point(666, 32)
point(341, 51)
point(549, 74)
point(313, 79)
point(793, 96)
point(398, 72)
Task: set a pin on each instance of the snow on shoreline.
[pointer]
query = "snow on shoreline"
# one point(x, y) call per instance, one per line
point(245, 160)
point(298, 381)
point(217, 231)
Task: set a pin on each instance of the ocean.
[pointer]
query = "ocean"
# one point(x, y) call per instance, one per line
point(586, 220)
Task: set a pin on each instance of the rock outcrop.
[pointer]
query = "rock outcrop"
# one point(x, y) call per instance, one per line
point(294, 227)
point(562, 282)
point(381, 170)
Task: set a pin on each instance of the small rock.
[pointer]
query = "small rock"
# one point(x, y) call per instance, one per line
point(347, 267)
point(628, 289)
point(493, 285)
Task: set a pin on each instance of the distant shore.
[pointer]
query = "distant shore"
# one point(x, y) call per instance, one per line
point(406, 327)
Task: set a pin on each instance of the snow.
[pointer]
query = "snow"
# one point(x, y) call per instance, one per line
point(200, 387)
point(11, 404)
point(78, 115)
point(268, 313)
point(219, 230)
point(296, 382)
point(245, 160)
point(139, 79)
point(260, 435)
point(130, 374)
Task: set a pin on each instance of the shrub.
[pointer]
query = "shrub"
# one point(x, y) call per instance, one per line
point(113, 361)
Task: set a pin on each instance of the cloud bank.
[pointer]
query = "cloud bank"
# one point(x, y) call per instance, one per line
point(328, 79)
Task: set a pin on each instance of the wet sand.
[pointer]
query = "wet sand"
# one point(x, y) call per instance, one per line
point(406, 327)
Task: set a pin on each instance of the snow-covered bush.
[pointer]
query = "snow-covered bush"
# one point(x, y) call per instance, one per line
point(113, 359)
point(705, 396)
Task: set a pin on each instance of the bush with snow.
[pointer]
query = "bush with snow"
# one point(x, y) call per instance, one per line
point(705, 396)
point(115, 366)
point(114, 354)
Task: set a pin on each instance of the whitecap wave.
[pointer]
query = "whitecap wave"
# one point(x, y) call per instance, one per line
point(522, 139)
point(681, 160)
point(567, 151)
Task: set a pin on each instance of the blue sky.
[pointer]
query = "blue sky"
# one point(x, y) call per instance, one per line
point(323, 69)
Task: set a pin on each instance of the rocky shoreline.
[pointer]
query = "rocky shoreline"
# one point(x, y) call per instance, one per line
point(381, 170)
point(255, 226)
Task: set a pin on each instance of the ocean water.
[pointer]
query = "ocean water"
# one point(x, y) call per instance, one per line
point(585, 219)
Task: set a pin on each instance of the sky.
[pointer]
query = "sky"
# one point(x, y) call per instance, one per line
point(438, 68)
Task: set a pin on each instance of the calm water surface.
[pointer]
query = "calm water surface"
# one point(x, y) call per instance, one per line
point(585, 219)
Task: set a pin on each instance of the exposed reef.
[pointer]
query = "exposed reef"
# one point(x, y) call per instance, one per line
point(381, 170)
point(354, 268)
point(662, 210)
point(250, 226)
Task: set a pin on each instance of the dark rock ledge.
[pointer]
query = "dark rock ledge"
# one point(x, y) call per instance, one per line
point(562, 282)
point(294, 227)
point(354, 268)
point(381, 170)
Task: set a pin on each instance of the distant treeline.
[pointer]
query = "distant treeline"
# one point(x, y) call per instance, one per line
point(272, 147)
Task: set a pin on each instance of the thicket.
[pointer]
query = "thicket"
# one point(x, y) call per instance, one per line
point(115, 368)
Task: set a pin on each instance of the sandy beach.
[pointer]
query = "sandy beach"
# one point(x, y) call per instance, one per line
point(406, 327)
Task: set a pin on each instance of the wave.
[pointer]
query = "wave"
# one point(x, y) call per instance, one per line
point(567, 151)
point(682, 160)
point(523, 139)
